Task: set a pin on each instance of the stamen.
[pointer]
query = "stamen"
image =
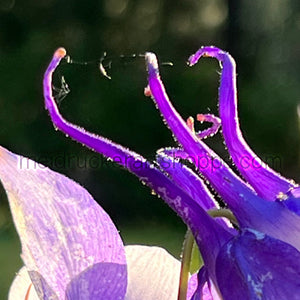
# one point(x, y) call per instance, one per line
point(147, 91)
point(28, 292)
point(190, 123)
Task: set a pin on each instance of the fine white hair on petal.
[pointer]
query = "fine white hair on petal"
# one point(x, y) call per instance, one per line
point(22, 287)
point(153, 273)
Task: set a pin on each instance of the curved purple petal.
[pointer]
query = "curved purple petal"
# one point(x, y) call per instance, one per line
point(259, 267)
point(63, 231)
point(265, 181)
point(117, 153)
point(250, 209)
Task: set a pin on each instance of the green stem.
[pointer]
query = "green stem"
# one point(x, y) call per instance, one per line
point(223, 212)
point(185, 264)
point(187, 250)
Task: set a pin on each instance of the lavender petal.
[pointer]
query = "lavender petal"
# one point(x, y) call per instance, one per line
point(63, 231)
point(101, 281)
point(152, 273)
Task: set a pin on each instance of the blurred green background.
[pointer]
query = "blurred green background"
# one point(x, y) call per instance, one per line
point(263, 37)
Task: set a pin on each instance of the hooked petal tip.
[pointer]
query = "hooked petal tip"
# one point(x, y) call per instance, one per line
point(152, 63)
point(207, 51)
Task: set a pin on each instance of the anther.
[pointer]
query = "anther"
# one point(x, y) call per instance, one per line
point(60, 53)
point(147, 91)
point(190, 123)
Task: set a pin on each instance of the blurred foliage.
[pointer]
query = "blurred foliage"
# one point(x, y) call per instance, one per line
point(261, 35)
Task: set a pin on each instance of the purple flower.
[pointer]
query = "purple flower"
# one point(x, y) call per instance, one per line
point(71, 248)
point(259, 259)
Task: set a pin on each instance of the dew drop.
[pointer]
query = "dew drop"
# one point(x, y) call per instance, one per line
point(153, 192)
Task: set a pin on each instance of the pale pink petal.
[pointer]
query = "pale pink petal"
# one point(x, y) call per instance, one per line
point(22, 287)
point(153, 273)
